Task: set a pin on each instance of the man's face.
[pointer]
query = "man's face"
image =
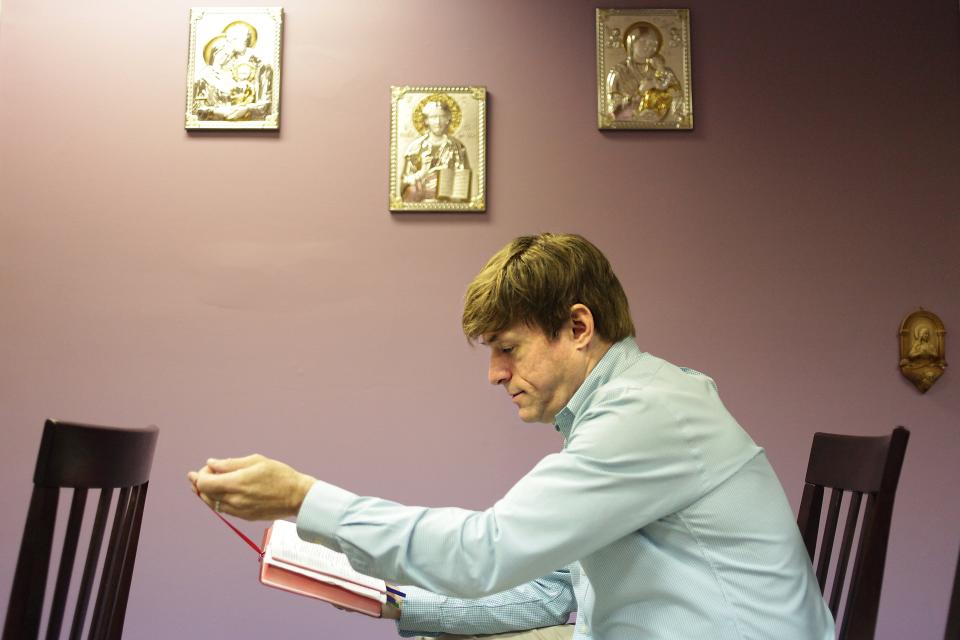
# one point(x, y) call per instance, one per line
point(539, 374)
point(437, 121)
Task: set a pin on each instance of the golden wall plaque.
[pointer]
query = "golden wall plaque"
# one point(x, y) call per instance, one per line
point(438, 140)
point(233, 68)
point(922, 348)
point(643, 69)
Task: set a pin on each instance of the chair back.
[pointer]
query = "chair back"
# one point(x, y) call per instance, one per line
point(81, 458)
point(953, 616)
point(851, 466)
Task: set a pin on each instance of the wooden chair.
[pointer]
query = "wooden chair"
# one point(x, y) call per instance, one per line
point(953, 616)
point(856, 466)
point(81, 457)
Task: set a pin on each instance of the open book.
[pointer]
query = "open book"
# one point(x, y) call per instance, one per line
point(453, 184)
point(313, 570)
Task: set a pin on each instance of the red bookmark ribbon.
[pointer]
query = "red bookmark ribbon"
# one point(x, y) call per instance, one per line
point(246, 539)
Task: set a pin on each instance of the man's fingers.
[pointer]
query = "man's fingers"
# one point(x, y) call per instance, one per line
point(252, 487)
point(207, 500)
point(215, 502)
point(216, 483)
point(225, 465)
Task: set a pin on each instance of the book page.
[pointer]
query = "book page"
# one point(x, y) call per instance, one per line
point(461, 185)
point(453, 184)
point(288, 551)
point(372, 594)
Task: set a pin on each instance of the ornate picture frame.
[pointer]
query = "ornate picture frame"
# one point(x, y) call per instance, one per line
point(643, 69)
point(438, 149)
point(233, 68)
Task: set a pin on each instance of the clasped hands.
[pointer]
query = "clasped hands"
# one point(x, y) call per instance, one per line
point(252, 488)
point(256, 488)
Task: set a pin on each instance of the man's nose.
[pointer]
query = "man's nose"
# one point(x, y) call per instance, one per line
point(497, 374)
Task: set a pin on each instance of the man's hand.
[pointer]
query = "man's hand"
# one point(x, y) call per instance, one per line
point(252, 488)
point(389, 611)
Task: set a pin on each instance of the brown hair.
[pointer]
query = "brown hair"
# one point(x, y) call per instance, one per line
point(534, 280)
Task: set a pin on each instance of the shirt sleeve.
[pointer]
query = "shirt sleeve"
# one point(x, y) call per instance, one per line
point(543, 602)
point(627, 463)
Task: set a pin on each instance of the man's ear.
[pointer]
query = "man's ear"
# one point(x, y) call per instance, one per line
point(581, 322)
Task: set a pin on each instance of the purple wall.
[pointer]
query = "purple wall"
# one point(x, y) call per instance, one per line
point(251, 292)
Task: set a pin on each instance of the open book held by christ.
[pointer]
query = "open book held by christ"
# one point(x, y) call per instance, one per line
point(313, 570)
point(453, 184)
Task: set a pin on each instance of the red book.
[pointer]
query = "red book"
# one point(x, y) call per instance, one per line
point(313, 570)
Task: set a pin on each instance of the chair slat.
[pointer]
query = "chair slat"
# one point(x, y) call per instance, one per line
point(843, 559)
point(30, 576)
point(90, 566)
point(829, 533)
point(108, 580)
point(123, 544)
point(858, 561)
point(67, 556)
point(811, 504)
point(139, 499)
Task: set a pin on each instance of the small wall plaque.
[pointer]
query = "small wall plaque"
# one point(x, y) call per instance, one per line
point(922, 348)
point(438, 146)
point(643, 69)
point(233, 68)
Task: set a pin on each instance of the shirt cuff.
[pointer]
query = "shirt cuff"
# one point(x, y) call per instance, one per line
point(420, 612)
point(321, 512)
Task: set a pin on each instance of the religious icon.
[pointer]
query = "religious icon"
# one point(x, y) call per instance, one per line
point(643, 69)
point(438, 148)
point(922, 348)
point(233, 68)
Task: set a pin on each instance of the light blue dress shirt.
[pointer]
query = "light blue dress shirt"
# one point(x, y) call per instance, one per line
point(674, 514)
point(543, 602)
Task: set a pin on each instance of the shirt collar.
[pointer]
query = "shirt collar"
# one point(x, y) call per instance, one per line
point(613, 362)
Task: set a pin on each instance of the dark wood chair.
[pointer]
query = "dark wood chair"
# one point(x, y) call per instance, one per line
point(953, 616)
point(82, 457)
point(855, 466)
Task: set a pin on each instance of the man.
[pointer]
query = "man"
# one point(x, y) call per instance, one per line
point(670, 517)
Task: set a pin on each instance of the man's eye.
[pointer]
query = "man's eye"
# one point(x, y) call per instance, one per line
point(506, 349)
